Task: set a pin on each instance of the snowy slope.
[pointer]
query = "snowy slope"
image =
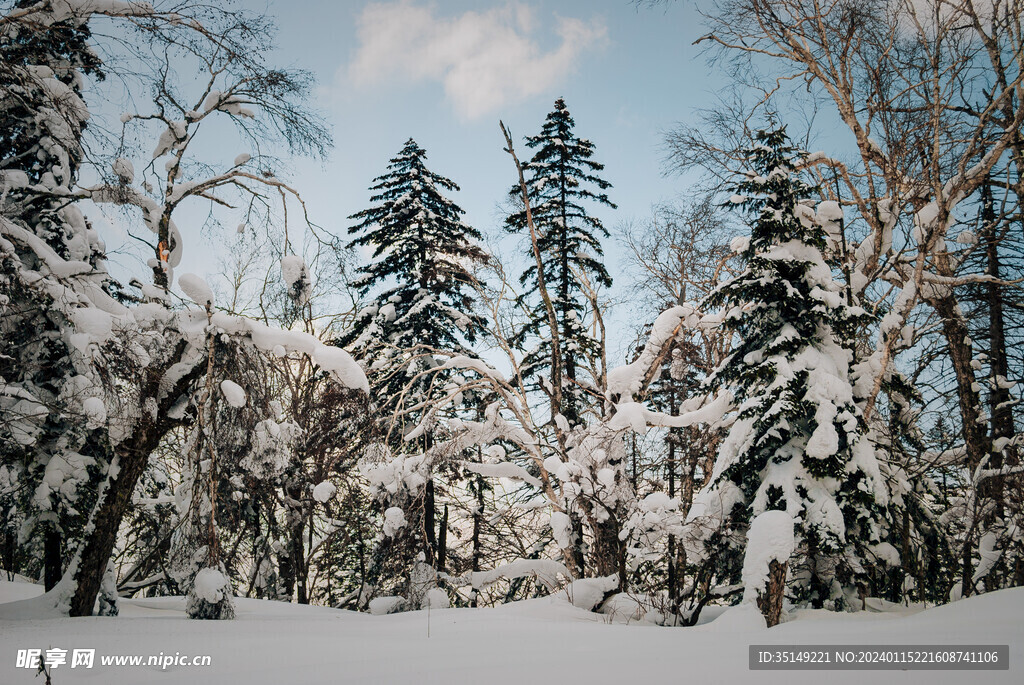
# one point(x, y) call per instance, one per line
point(538, 641)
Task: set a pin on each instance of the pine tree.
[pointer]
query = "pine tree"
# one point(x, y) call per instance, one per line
point(798, 443)
point(41, 78)
point(423, 255)
point(422, 247)
point(560, 177)
point(54, 459)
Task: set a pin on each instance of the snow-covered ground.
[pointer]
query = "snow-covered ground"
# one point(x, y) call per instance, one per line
point(538, 641)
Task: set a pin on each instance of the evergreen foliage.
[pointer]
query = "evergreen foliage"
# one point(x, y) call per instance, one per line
point(49, 446)
point(798, 443)
point(423, 258)
point(560, 178)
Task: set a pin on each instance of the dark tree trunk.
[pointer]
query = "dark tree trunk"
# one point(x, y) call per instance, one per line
point(578, 559)
point(478, 519)
point(442, 542)
point(569, 409)
point(300, 585)
point(1000, 406)
point(299, 562)
point(285, 575)
point(106, 519)
point(634, 474)
point(608, 555)
point(475, 567)
point(673, 581)
point(429, 525)
point(52, 549)
point(10, 553)
point(131, 458)
point(961, 355)
point(905, 557)
point(296, 526)
point(769, 601)
point(475, 562)
point(1000, 400)
point(672, 438)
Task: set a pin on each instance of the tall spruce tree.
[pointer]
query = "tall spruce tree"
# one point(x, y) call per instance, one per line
point(798, 443)
point(423, 255)
point(560, 177)
point(50, 448)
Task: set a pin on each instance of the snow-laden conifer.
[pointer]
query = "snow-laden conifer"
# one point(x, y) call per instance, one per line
point(423, 259)
point(798, 442)
point(422, 279)
point(52, 405)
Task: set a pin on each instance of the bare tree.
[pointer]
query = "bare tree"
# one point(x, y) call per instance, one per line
point(679, 255)
point(157, 350)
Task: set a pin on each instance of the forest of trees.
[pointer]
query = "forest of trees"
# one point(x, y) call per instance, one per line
point(820, 403)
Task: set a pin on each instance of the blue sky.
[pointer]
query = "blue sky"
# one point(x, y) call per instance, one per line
point(444, 73)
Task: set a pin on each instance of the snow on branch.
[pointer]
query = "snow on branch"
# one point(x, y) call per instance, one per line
point(625, 382)
point(464, 362)
point(546, 571)
point(503, 470)
point(64, 270)
point(338, 363)
point(695, 410)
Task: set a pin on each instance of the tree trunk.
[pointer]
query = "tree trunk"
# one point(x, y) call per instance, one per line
point(429, 525)
point(131, 457)
point(1000, 401)
point(296, 526)
point(442, 542)
point(769, 601)
point(568, 409)
point(578, 562)
point(608, 555)
point(301, 593)
point(298, 561)
point(478, 515)
point(975, 434)
point(285, 575)
point(673, 581)
point(10, 553)
point(52, 547)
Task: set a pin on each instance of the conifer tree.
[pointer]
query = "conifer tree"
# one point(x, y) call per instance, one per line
point(798, 442)
point(561, 177)
point(423, 256)
point(50, 450)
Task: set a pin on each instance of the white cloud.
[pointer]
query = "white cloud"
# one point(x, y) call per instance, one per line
point(483, 59)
